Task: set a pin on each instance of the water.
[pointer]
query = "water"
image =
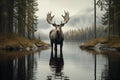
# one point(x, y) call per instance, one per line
point(75, 64)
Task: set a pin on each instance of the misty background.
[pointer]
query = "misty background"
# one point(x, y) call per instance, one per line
point(81, 15)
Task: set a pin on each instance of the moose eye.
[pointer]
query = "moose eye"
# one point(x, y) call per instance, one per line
point(54, 24)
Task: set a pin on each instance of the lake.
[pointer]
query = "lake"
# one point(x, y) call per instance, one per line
point(75, 64)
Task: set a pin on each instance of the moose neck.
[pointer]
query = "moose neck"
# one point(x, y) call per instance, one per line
point(59, 33)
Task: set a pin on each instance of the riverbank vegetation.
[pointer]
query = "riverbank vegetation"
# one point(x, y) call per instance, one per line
point(15, 42)
point(110, 19)
point(114, 42)
point(18, 23)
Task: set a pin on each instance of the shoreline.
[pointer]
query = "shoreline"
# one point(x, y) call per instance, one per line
point(102, 44)
point(18, 43)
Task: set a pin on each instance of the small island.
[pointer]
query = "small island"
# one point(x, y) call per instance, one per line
point(113, 44)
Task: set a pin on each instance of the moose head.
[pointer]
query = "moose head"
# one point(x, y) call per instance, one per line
point(58, 26)
point(56, 35)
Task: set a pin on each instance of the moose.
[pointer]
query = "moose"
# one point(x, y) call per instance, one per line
point(56, 35)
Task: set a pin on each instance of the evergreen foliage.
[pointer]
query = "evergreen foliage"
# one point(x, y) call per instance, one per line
point(112, 15)
point(85, 34)
point(18, 17)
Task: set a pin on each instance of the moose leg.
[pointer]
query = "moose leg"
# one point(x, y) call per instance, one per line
point(61, 45)
point(51, 47)
point(55, 50)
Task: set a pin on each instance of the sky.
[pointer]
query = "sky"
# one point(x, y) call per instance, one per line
point(58, 6)
point(81, 14)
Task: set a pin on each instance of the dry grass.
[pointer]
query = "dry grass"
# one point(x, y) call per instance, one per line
point(15, 40)
point(93, 42)
point(113, 42)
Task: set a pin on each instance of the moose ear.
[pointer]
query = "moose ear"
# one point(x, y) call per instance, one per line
point(54, 25)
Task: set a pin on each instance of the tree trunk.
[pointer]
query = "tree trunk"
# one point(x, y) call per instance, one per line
point(21, 17)
point(10, 16)
point(4, 17)
point(95, 18)
point(109, 20)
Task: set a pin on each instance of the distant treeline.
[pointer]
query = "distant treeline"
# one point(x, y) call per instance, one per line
point(18, 17)
point(112, 15)
point(111, 19)
point(85, 34)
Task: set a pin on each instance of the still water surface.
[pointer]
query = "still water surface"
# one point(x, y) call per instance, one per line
point(75, 64)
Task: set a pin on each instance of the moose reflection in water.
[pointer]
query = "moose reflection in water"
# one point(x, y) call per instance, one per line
point(56, 64)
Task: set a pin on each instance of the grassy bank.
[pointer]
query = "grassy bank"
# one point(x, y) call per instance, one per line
point(14, 41)
point(17, 41)
point(113, 42)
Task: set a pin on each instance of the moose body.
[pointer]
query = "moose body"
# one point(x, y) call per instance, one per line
point(56, 35)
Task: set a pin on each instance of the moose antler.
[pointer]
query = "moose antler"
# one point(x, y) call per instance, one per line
point(66, 17)
point(49, 18)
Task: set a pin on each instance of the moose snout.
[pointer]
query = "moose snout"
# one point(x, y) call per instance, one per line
point(58, 34)
point(58, 31)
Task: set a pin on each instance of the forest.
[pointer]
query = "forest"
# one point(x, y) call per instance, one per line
point(85, 34)
point(111, 18)
point(18, 17)
point(93, 52)
point(110, 23)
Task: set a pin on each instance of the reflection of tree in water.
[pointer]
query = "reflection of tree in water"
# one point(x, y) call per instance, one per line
point(18, 69)
point(112, 69)
point(5, 70)
point(56, 64)
point(104, 74)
